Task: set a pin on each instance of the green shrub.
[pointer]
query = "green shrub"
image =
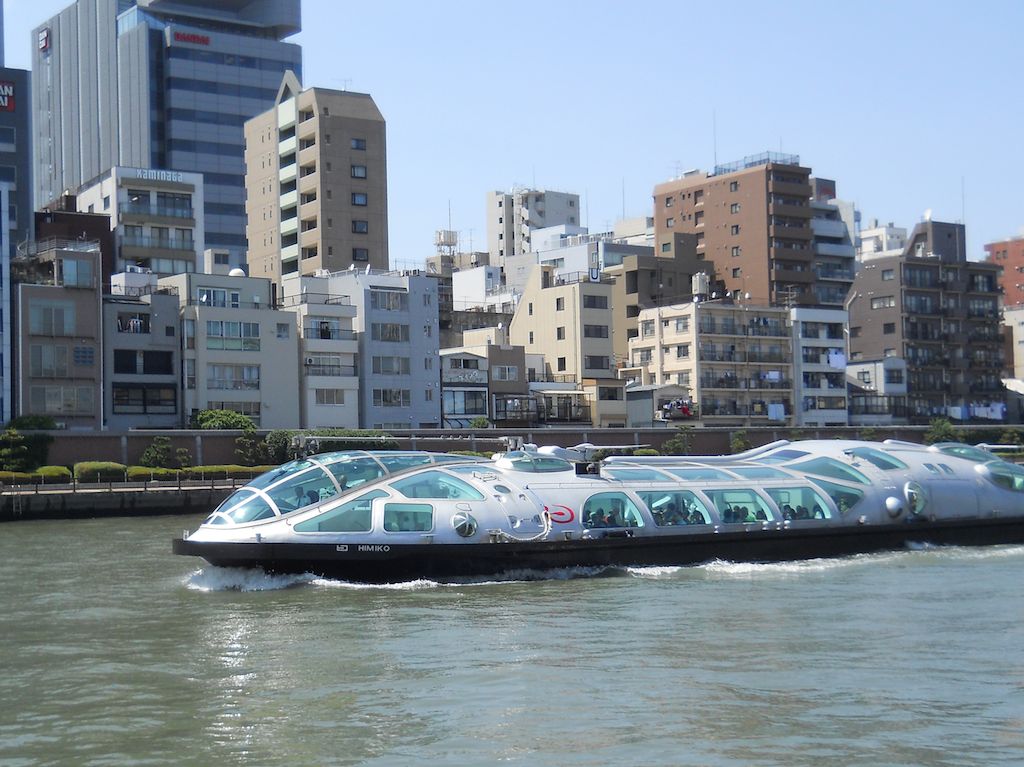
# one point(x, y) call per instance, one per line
point(99, 471)
point(680, 443)
point(646, 451)
point(54, 475)
point(223, 419)
point(224, 471)
point(13, 451)
point(251, 450)
point(940, 430)
point(480, 422)
point(158, 454)
point(28, 422)
point(738, 442)
point(184, 457)
point(470, 453)
point(16, 477)
point(353, 439)
point(147, 473)
point(279, 445)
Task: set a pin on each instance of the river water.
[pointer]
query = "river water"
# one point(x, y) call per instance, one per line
point(116, 652)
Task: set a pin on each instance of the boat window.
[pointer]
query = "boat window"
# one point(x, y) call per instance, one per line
point(396, 463)
point(799, 503)
point(946, 469)
point(845, 498)
point(436, 484)
point(1006, 475)
point(520, 460)
point(878, 458)
point(699, 474)
point(611, 510)
point(272, 476)
point(302, 489)
point(971, 453)
point(759, 472)
point(780, 456)
point(240, 507)
point(647, 475)
point(408, 517)
point(456, 458)
point(351, 472)
point(675, 508)
point(738, 505)
point(931, 468)
point(356, 516)
point(830, 467)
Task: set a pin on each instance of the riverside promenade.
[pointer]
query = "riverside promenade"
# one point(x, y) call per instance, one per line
point(112, 499)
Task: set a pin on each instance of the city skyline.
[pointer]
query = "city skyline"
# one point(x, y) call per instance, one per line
point(544, 98)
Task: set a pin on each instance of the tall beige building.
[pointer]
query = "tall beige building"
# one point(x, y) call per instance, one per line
point(316, 183)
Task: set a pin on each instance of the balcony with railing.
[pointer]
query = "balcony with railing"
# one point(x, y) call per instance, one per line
point(161, 243)
point(326, 332)
point(341, 371)
point(147, 210)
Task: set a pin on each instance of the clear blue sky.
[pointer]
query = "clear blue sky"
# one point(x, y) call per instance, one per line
point(904, 104)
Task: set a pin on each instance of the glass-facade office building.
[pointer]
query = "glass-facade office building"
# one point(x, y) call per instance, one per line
point(159, 84)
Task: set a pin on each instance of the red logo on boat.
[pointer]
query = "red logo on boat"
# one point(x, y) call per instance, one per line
point(563, 515)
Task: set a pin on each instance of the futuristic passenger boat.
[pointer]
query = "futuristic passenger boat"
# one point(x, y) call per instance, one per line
point(396, 516)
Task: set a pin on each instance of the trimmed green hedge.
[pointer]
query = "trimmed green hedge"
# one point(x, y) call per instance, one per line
point(148, 473)
point(225, 471)
point(100, 471)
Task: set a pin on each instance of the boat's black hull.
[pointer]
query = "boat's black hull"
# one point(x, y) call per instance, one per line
point(372, 562)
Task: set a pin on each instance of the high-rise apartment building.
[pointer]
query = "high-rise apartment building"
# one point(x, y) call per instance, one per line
point(316, 182)
point(16, 154)
point(940, 313)
point(834, 225)
point(513, 216)
point(164, 84)
point(1009, 254)
point(752, 220)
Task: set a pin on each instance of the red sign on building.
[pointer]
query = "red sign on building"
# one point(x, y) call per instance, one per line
point(6, 96)
point(191, 37)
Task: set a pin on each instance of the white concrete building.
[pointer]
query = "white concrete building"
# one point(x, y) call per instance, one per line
point(881, 241)
point(156, 215)
point(819, 366)
point(482, 288)
point(328, 352)
point(238, 352)
point(512, 218)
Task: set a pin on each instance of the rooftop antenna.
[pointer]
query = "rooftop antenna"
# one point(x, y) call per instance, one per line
point(714, 137)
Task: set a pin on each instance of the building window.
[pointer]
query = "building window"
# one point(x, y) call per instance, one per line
point(559, 304)
point(666, 247)
point(595, 331)
point(888, 274)
point(359, 199)
point(392, 398)
point(734, 208)
point(560, 334)
point(682, 324)
point(670, 222)
point(233, 377)
point(282, 330)
point(505, 373)
point(531, 336)
point(736, 250)
point(595, 302)
point(330, 396)
point(734, 229)
point(647, 328)
point(683, 351)
point(391, 332)
point(358, 171)
point(360, 226)
point(358, 144)
point(736, 272)
point(889, 328)
point(668, 201)
point(596, 362)
point(734, 186)
point(560, 363)
point(360, 254)
point(883, 302)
